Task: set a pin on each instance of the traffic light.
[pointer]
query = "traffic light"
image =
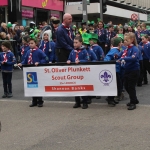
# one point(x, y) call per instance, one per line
point(104, 5)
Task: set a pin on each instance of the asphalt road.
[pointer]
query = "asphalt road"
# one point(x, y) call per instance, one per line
point(57, 126)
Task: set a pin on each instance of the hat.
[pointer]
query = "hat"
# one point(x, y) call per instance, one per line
point(105, 26)
point(91, 23)
point(86, 37)
point(55, 20)
point(98, 19)
point(9, 25)
point(148, 28)
point(93, 36)
point(49, 32)
point(74, 26)
point(26, 38)
point(121, 36)
point(117, 40)
point(32, 22)
point(13, 26)
point(131, 24)
point(6, 44)
point(83, 22)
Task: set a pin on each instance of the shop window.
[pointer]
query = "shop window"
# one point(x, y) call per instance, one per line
point(2, 15)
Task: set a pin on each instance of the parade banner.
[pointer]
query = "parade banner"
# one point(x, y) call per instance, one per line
point(70, 80)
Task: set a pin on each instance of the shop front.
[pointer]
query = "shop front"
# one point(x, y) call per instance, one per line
point(24, 11)
point(43, 9)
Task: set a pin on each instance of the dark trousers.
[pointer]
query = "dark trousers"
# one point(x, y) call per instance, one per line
point(122, 77)
point(140, 80)
point(102, 45)
point(62, 55)
point(107, 49)
point(130, 81)
point(119, 86)
point(146, 67)
point(37, 100)
point(7, 77)
point(78, 100)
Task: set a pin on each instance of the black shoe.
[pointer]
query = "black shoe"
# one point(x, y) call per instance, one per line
point(132, 107)
point(9, 95)
point(111, 103)
point(32, 105)
point(98, 97)
point(85, 106)
point(116, 101)
point(5, 95)
point(128, 104)
point(139, 85)
point(76, 105)
point(40, 105)
point(89, 101)
point(145, 83)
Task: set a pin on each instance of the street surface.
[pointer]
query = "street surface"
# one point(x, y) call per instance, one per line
point(57, 126)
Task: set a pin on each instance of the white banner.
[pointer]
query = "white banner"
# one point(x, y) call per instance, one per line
point(77, 80)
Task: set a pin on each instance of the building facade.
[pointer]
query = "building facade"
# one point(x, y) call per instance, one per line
point(118, 11)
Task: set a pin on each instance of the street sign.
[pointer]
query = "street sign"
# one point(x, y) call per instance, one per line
point(134, 17)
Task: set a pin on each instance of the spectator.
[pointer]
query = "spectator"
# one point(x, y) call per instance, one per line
point(10, 31)
point(22, 28)
point(102, 35)
point(3, 36)
point(64, 39)
point(54, 25)
point(4, 28)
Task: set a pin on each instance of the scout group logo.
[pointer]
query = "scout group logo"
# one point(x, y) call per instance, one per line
point(32, 81)
point(105, 77)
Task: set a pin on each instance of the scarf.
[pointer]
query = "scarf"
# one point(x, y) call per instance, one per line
point(100, 32)
point(30, 56)
point(139, 35)
point(5, 56)
point(44, 46)
point(126, 50)
point(77, 54)
point(22, 51)
point(68, 29)
point(109, 35)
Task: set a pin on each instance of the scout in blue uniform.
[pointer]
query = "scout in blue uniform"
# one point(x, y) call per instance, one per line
point(144, 30)
point(95, 47)
point(92, 55)
point(86, 44)
point(111, 34)
point(102, 35)
point(25, 47)
point(116, 45)
point(79, 54)
point(48, 46)
point(7, 61)
point(34, 56)
point(130, 60)
point(146, 57)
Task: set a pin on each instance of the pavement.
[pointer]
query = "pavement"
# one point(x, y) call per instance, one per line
point(57, 126)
